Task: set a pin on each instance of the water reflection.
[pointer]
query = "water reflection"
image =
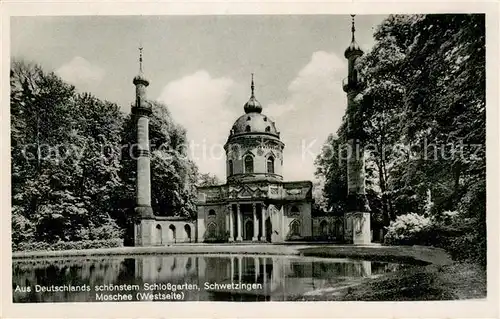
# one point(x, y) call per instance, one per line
point(217, 278)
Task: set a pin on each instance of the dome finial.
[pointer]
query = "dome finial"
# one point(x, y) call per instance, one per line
point(252, 105)
point(353, 28)
point(252, 86)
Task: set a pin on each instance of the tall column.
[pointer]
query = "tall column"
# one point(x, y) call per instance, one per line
point(240, 268)
point(263, 237)
point(238, 223)
point(231, 225)
point(255, 223)
point(141, 111)
point(232, 268)
point(256, 268)
point(264, 273)
point(357, 215)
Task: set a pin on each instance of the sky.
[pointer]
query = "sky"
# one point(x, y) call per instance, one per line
point(200, 66)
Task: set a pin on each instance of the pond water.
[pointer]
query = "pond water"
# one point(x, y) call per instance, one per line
point(185, 277)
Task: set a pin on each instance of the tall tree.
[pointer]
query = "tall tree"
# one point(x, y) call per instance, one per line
point(72, 176)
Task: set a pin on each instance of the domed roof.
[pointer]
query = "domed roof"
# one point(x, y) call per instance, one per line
point(254, 123)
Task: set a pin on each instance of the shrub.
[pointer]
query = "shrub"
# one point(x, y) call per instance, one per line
point(468, 241)
point(409, 229)
point(22, 228)
point(107, 231)
point(68, 245)
point(463, 238)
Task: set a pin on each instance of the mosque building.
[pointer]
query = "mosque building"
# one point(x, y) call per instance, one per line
point(255, 204)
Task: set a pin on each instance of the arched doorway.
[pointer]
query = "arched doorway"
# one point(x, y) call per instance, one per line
point(323, 228)
point(187, 231)
point(339, 231)
point(211, 231)
point(159, 239)
point(294, 228)
point(248, 230)
point(269, 229)
point(172, 233)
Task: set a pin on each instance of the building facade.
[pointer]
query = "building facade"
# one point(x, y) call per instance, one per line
point(255, 204)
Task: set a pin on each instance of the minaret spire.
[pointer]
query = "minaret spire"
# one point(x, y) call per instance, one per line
point(140, 79)
point(353, 50)
point(140, 58)
point(353, 28)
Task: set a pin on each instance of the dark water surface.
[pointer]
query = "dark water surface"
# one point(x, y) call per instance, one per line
point(185, 277)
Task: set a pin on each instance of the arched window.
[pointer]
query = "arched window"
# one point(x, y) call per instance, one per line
point(248, 164)
point(295, 228)
point(172, 232)
point(211, 212)
point(248, 118)
point(247, 129)
point(268, 129)
point(159, 239)
point(270, 165)
point(187, 230)
point(295, 210)
point(338, 229)
point(230, 167)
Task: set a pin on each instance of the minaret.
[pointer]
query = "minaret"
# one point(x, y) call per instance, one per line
point(357, 216)
point(141, 111)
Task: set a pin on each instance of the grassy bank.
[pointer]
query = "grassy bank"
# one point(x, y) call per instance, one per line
point(441, 279)
point(433, 282)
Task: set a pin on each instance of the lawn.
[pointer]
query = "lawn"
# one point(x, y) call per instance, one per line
point(432, 282)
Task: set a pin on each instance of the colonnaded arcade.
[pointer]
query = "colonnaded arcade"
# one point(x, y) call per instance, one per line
point(255, 204)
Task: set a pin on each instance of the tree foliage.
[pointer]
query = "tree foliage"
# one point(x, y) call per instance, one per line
point(72, 175)
point(425, 119)
point(207, 179)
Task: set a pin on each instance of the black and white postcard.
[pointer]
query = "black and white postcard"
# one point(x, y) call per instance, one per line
point(249, 159)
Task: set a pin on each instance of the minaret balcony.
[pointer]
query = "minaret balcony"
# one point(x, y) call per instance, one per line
point(351, 85)
point(143, 109)
point(345, 84)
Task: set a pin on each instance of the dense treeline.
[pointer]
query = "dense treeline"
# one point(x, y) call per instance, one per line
point(73, 178)
point(423, 109)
